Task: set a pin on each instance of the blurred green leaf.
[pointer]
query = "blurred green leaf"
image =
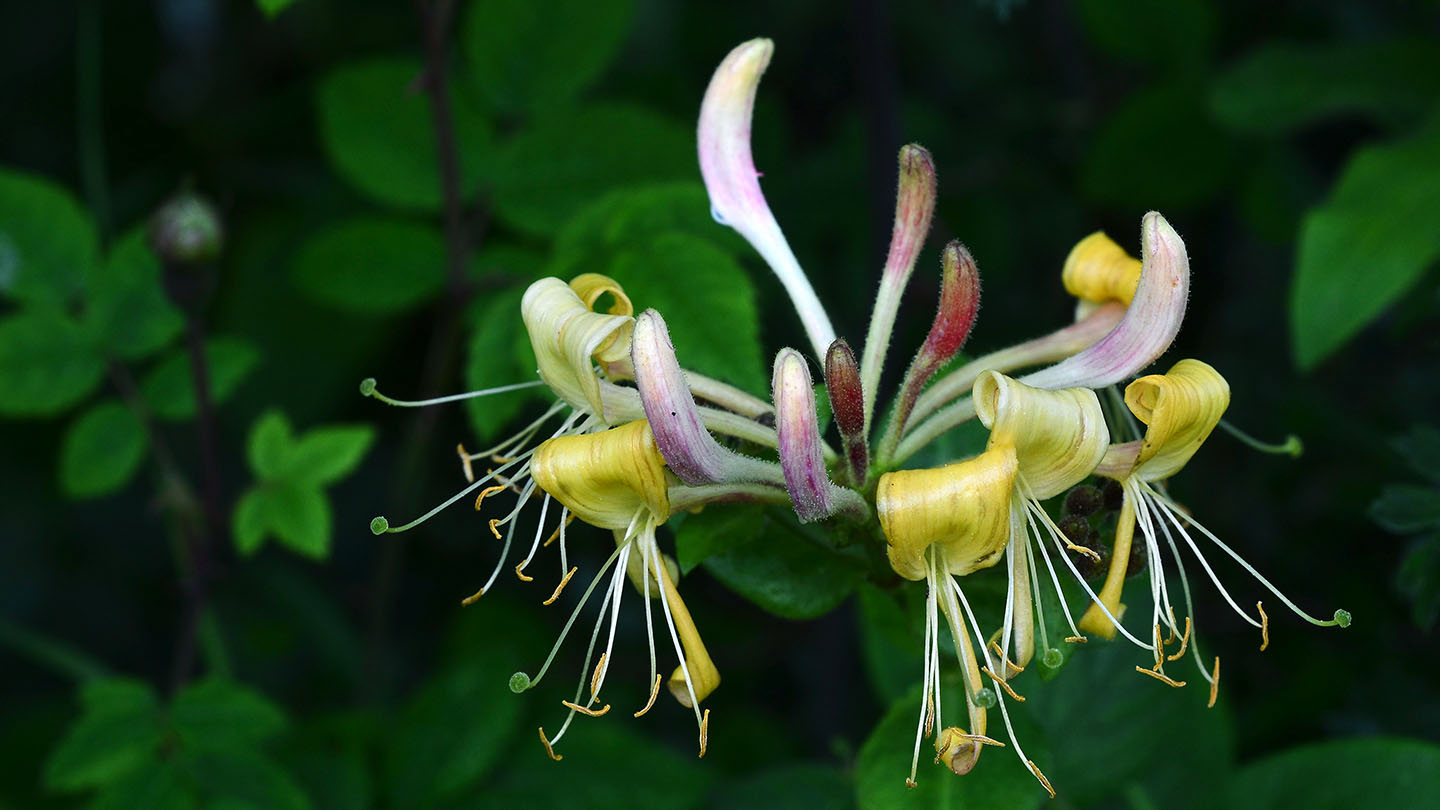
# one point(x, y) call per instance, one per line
point(268, 447)
point(548, 172)
point(1344, 775)
point(1421, 450)
point(615, 767)
point(524, 59)
point(101, 450)
point(1278, 189)
point(168, 389)
point(891, 649)
point(998, 781)
point(627, 215)
point(507, 260)
point(155, 785)
point(324, 455)
point(48, 243)
point(1283, 87)
point(1404, 508)
point(1176, 35)
point(1157, 150)
point(117, 732)
point(1418, 578)
point(296, 514)
point(1366, 245)
point(243, 776)
point(270, 8)
point(707, 301)
point(376, 128)
point(769, 559)
point(217, 713)
point(786, 787)
point(127, 310)
point(490, 363)
point(372, 265)
point(47, 363)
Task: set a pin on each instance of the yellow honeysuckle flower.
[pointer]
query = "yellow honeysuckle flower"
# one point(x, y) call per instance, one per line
point(1180, 409)
point(616, 479)
point(1098, 270)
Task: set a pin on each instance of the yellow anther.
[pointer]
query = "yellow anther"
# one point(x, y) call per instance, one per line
point(1184, 641)
point(1076, 639)
point(595, 678)
point(1159, 649)
point(1003, 685)
point(1264, 627)
point(704, 732)
point(654, 692)
point(519, 572)
point(472, 598)
point(929, 714)
point(548, 749)
point(1160, 676)
point(911, 783)
point(486, 492)
point(1214, 684)
point(493, 523)
point(561, 586)
point(1010, 667)
point(1087, 551)
point(568, 518)
point(1035, 769)
point(585, 710)
point(465, 463)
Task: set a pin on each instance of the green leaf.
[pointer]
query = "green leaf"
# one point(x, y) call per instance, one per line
point(270, 8)
point(1421, 450)
point(1419, 579)
point(523, 61)
point(47, 364)
point(548, 172)
point(1367, 245)
point(250, 521)
point(243, 776)
point(127, 310)
point(707, 300)
point(766, 557)
point(372, 265)
point(1280, 88)
point(891, 650)
point(168, 389)
point(376, 128)
point(47, 242)
point(300, 518)
point(787, 787)
point(217, 713)
point(627, 215)
point(1176, 35)
point(118, 731)
point(269, 445)
point(1158, 150)
point(1404, 508)
point(156, 785)
point(101, 450)
point(326, 454)
point(998, 780)
point(1344, 775)
point(489, 363)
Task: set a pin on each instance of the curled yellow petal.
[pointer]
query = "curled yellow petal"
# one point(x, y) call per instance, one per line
point(1099, 270)
point(963, 508)
point(1179, 408)
point(606, 477)
point(1059, 436)
point(568, 337)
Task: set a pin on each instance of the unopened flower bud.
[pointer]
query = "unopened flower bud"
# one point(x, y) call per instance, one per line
point(186, 231)
point(806, 478)
point(847, 402)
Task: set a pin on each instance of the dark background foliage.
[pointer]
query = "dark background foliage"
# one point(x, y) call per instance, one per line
point(1295, 146)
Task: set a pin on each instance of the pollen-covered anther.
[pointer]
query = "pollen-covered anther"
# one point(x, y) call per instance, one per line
point(494, 522)
point(519, 572)
point(1160, 676)
point(479, 499)
point(465, 463)
point(1264, 627)
point(1003, 685)
point(472, 598)
point(1214, 684)
point(1035, 769)
point(585, 710)
point(568, 520)
point(704, 732)
point(1076, 640)
point(548, 748)
point(1184, 642)
point(1011, 668)
point(654, 693)
point(595, 678)
point(561, 586)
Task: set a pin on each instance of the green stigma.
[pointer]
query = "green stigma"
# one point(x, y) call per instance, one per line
point(519, 682)
point(379, 525)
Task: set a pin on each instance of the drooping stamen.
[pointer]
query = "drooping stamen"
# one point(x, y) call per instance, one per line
point(662, 577)
point(558, 588)
point(1264, 627)
point(499, 563)
point(1160, 676)
point(548, 748)
point(539, 529)
point(585, 710)
point(367, 388)
point(654, 693)
point(1184, 643)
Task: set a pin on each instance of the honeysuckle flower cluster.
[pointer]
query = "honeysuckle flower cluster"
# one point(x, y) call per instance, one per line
point(631, 440)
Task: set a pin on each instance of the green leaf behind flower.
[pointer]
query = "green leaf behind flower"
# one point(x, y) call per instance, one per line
point(101, 450)
point(1342, 775)
point(169, 388)
point(47, 363)
point(127, 309)
point(372, 265)
point(48, 243)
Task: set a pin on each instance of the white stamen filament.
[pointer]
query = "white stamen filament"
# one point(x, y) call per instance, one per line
point(647, 545)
